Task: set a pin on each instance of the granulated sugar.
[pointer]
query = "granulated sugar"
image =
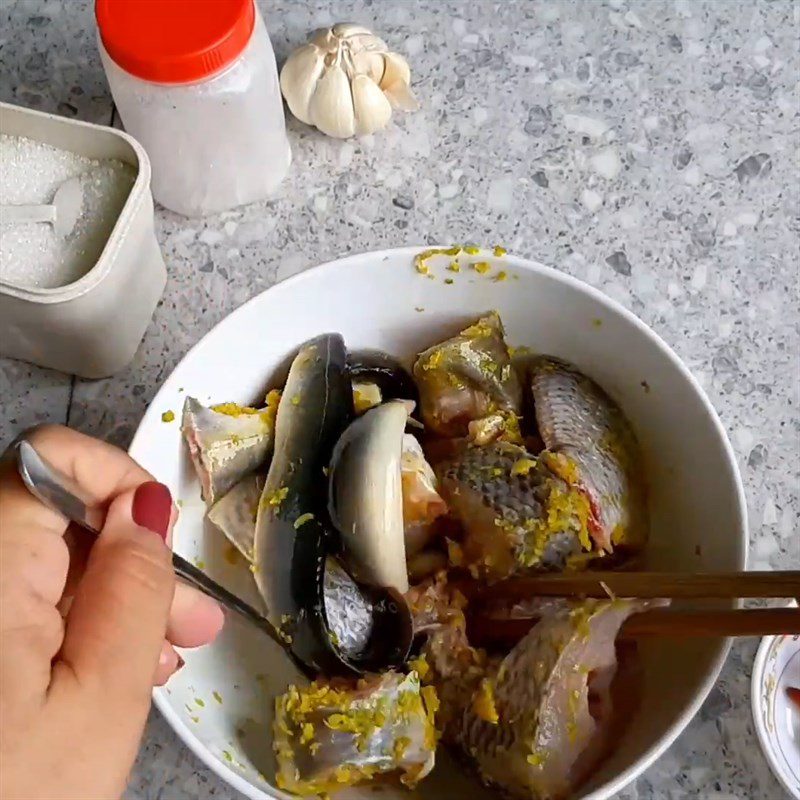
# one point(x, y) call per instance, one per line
point(31, 255)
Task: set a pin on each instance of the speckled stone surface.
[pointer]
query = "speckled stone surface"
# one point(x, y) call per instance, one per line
point(648, 148)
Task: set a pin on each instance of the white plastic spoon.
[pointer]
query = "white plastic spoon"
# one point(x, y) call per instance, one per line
point(62, 213)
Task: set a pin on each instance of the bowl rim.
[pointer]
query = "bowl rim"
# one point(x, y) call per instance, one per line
point(616, 784)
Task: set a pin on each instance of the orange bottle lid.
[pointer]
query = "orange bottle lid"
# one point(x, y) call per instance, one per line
point(174, 41)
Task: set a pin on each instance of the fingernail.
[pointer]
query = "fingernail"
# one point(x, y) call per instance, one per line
point(152, 506)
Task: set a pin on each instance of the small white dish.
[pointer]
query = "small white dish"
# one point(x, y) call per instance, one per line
point(221, 702)
point(776, 717)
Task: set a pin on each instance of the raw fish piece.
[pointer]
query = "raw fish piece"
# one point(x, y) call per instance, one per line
point(447, 660)
point(516, 513)
point(578, 419)
point(366, 502)
point(348, 612)
point(467, 378)
point(501, 426)
point(366, 395)
point(328, 737)
point(425, 564)
point(227, 442)
point(421, 502)
point(291, 557)
point(385, 372)
point(310, 599)
point(235, 514)
point(434, 604)
point(540, 721)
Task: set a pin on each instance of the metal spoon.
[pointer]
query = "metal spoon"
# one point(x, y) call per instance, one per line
point(59, 492)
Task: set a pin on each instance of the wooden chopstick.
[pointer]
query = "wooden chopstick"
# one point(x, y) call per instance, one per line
point(728, 585)
point(663, 623)
point(673, 622)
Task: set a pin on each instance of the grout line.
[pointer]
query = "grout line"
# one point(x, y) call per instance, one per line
point(72, 382)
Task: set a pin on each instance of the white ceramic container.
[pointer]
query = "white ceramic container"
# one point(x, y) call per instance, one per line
point(379, 300)
point(93, 326)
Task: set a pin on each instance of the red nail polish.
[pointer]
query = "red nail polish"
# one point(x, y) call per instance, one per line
point(152, 506)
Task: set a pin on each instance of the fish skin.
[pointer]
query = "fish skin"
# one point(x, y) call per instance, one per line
point(341, 758)
point(291, 536)
point(577, 418)
point(541, 695)
point(225, 448)
point(512, 522)
point(349, 615)
point(235, 513)
point(466, 378)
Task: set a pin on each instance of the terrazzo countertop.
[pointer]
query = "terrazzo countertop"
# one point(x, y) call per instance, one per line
point(648, 148)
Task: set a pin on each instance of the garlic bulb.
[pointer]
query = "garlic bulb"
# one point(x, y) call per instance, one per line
point(345, 81)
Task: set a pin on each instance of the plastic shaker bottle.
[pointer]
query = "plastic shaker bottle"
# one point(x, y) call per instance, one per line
point(195, 81)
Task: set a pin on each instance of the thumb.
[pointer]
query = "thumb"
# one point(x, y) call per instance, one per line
point(118, 619)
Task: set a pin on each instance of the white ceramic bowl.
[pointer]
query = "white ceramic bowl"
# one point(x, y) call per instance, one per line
point(378, 300)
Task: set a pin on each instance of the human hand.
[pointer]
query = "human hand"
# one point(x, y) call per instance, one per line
point(87, 626)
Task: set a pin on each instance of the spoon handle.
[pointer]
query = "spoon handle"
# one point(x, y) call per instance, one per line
point(192, 575)
point(62, 494)
point(32, 213)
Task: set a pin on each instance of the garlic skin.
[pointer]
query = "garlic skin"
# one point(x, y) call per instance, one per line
point(345, 81)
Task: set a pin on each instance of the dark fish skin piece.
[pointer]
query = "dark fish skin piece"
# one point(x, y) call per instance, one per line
point(291, 539)
point(467, 378)
point(577, 418)
point(516, 513)
point(314, 603)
